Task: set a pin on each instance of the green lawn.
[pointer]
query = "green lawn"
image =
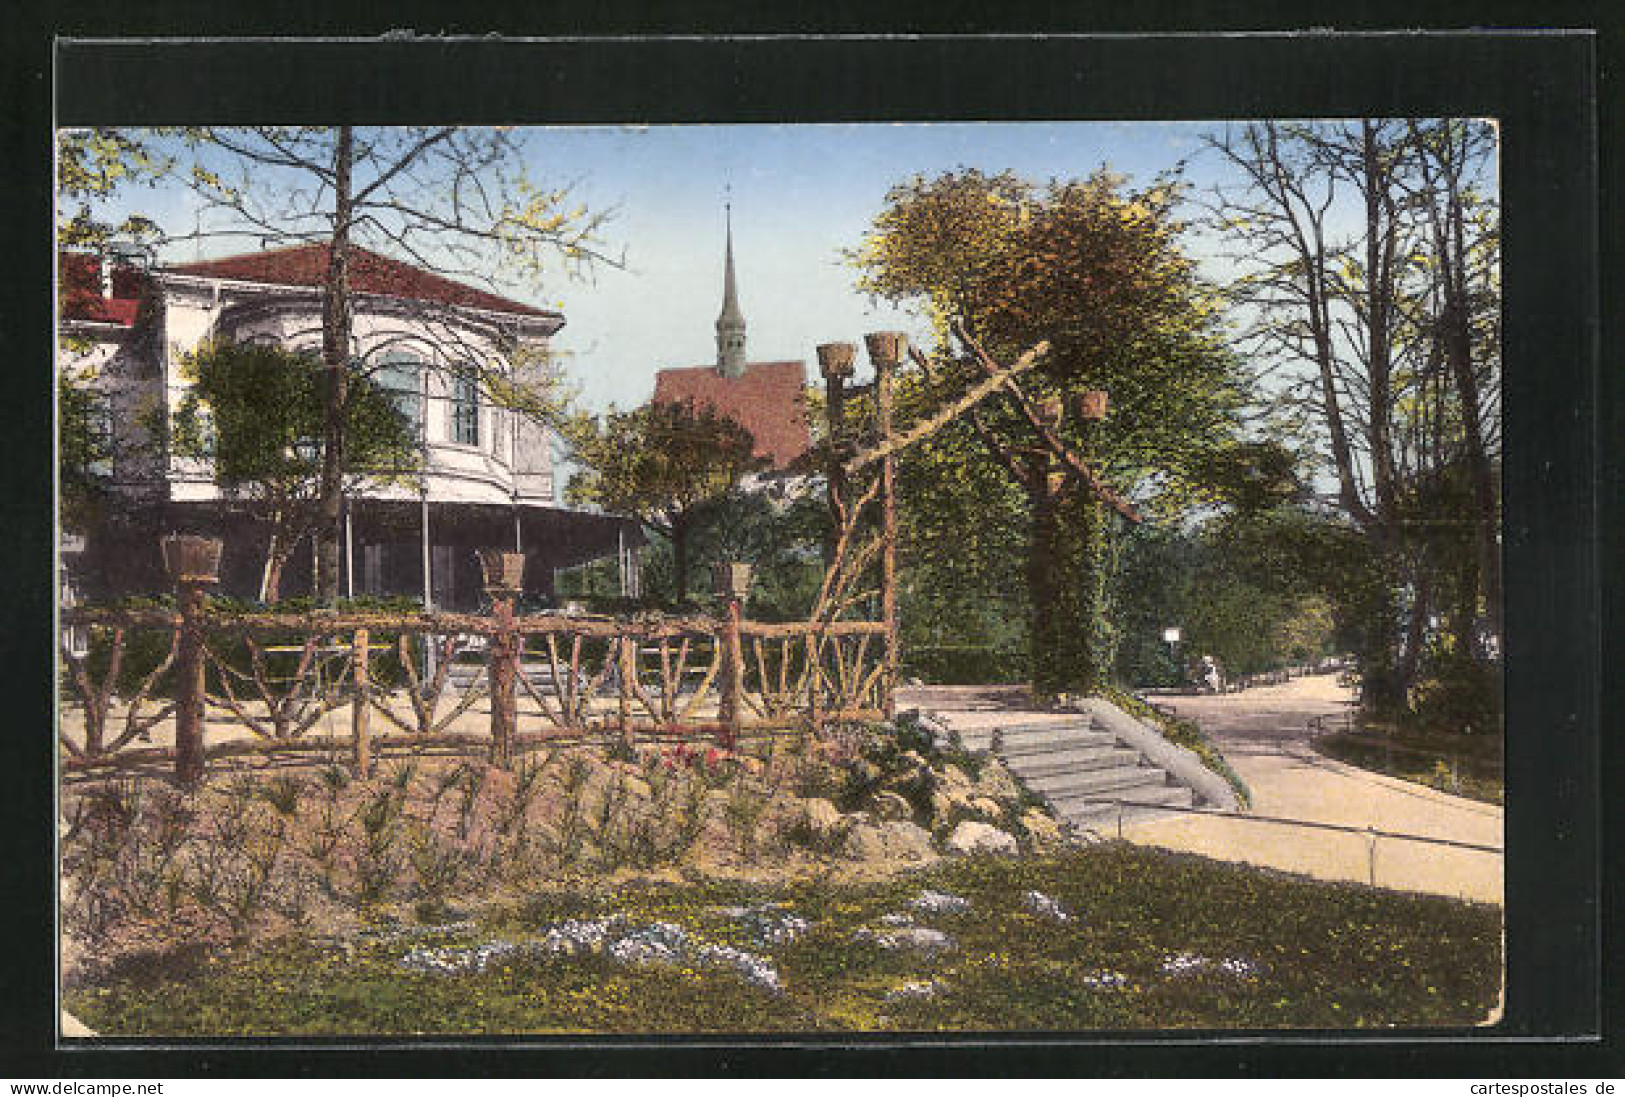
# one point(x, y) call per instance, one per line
point(1145, 948)
point(1464, 765)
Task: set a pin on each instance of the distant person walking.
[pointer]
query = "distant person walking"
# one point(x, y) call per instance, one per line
point(1210, 676)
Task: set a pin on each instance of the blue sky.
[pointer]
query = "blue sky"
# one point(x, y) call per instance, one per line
point(800, 195)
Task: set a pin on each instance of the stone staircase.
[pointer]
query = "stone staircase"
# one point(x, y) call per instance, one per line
point(1084, 771)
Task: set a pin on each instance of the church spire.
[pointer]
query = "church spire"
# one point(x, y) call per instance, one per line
point(731, 323)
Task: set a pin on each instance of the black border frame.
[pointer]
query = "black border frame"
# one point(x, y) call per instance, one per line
point(1541, 86)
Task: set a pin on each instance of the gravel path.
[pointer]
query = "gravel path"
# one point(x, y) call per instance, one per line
point(1263, 733)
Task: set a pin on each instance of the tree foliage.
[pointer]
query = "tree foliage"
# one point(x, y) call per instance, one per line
point(1098, 270)
point(254, 413)
point(663, 464)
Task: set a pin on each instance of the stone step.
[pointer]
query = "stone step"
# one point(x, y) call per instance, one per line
point(1102, 814)
point(1082, 758)
point(1026, 744)
point(1099, 782)
point(1082, 722)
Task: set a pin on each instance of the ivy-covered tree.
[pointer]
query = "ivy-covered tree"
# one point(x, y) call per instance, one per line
point(255, 412)
point(1097, 270)
point(664, 464)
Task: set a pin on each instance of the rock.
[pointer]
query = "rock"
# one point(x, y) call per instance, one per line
point(820, 817)
point(954, 780)
point(910, 991)
point(995, 782)
point(1045, 907)
point(914, 938)
point(1044, 830)
point(973, 837)
point(890, 807)
point(896, 840)
point(984, 806)
point(941, 807)
point(939, 902)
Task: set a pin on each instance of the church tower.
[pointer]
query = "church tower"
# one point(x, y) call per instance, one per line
point(731, 323)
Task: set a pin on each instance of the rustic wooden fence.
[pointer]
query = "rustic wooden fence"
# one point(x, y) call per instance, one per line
point(214, 684)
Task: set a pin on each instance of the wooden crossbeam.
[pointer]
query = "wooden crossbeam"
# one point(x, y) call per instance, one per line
point(1052, 441)
point(924, 429)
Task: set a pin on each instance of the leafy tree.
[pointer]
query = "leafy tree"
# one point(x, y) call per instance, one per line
point(1097, 270)
point(667, 464)
point(253, 413)
point(453, 200)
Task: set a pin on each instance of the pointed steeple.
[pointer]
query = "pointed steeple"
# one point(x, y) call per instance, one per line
point(731, 322)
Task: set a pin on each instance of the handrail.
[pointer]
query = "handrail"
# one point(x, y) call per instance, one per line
point(1371, 832)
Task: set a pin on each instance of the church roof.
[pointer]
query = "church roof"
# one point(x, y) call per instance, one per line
point(369, 272)
point(769, 400)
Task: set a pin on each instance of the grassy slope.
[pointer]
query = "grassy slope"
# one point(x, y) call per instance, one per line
point(1327, 955)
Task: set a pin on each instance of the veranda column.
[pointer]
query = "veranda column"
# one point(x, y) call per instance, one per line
point(886, 350)
point(193, 564)
point(504, 573)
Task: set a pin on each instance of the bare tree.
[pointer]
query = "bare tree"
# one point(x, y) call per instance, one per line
point(452, 200)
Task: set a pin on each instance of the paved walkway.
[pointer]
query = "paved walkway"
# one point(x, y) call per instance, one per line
point(1263, 733)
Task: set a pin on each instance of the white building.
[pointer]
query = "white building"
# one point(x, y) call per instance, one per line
point(486, 475)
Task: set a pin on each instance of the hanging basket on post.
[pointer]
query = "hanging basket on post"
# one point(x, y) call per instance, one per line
point(886, 348)
point(836, 359)
point(504, 570)
point(1092, 404)
point(731, 579)
point(192, 559)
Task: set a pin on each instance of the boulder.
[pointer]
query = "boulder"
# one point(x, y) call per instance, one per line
point(896, 840)
point(890, 807)
point(914, 938)
point(954, 780)
point(974, 837)
point(996, 783)
point(1045, 907)
point(820, 817)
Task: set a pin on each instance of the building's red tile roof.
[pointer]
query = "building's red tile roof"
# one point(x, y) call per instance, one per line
point(769, 401)
point(306, 265)
point(81, 290)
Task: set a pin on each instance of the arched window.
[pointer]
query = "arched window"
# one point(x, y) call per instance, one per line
point(401, 376)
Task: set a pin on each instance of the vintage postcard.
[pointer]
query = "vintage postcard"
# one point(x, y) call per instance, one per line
point(1027, 576)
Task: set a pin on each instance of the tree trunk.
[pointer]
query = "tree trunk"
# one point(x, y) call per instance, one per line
point(679, 557)
point(336, 325)
point(1047, 656)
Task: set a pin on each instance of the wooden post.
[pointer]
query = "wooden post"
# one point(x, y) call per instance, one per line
point(501, 656)
point(503, 574)
point(361, 707)
point(193, 564)
point(886, 349)
point(628, 655)
point(815, 704)
point(733, 674)
point(835, 363)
